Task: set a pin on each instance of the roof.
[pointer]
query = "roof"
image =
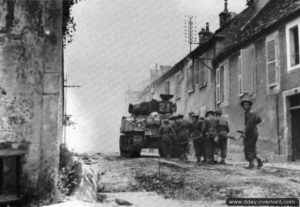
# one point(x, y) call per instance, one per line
point(233, 27)
point(227, 33)
point(274, 13)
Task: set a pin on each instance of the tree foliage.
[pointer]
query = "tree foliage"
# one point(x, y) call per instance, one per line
point(69, 25)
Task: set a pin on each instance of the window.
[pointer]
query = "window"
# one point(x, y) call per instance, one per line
point(240, 75)
point(202, 74)
point(272, 60)
point(220, 84)
point(167, 87)
point(246, 66)
point(197, 72)
point(293, 42)
point(179, 78)
point(191, 79)
point(294, 46)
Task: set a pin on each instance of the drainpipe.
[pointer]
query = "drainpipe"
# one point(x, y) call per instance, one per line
point(277, 124)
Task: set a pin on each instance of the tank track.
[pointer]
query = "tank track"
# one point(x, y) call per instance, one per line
point(130, 145)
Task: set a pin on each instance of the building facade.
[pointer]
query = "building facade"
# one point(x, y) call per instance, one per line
point(254, 54)
point(31, 68)
point(263, 66)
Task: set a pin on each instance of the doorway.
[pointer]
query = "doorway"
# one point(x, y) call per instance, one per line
point(295, 123)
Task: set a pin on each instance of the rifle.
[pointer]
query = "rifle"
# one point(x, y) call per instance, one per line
point(199, 137)
point(242, 134)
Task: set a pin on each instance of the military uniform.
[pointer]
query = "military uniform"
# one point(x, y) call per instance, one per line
point(222, 132)
point(198, 141)
point(209, 132)
point(251, 135)
point(167, 132)
point(182, 128)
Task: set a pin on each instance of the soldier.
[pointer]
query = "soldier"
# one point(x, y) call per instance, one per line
point(182, 128)
point(196, 135)
point(167, 132)
point(209, 133)
point(251, 134)
point(222, 132)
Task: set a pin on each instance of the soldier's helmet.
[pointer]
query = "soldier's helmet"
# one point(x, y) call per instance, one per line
point(209, 112)
point(195, 116)
point(218, 112)
point(246, 101)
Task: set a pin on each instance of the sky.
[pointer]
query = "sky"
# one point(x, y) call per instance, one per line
point(116, 43)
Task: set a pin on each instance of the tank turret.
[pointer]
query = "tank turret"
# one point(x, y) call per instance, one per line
point(141, 129)
point(146, 108)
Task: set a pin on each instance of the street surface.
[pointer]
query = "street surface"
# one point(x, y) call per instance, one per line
point(153, 181)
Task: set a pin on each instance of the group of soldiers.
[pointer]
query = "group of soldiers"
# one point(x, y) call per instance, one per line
point(210, 136)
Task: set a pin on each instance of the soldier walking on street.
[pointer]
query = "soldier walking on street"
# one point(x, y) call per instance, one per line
point(251, 134)
point(222, 133)
point(197, 136)
point(167, 132)
point(209, 133)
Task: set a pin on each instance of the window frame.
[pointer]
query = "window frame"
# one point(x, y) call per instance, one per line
point(191, 78)
point(289, 26)
point(218, 85)
point(178, 80)
point(202, 75)
point(240, 76)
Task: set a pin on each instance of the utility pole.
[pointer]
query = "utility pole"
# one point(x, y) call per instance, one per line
point(190, 30)
point(66, 86)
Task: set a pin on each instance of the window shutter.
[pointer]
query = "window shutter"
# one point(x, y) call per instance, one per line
point(190, 81)
point(222, 84)
point(246, 71)
point(271, 62)
point(197, 72)
point(202, 75)
point(254, 70)
point(240, 75)
point(178, 84)
point(218, 85)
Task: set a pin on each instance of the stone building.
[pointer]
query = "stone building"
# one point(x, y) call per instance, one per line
point(31, 68)
point(253, 54)
point(263, 62)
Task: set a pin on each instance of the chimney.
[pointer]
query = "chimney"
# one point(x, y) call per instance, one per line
point(259, 4)
point(225, 15)
point(204, 34)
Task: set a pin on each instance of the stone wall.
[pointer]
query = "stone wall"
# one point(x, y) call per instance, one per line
point(31, 71)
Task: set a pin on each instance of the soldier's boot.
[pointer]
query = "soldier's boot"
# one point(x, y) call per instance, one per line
point(223, 162)
point(251, 165)
point(259, 162)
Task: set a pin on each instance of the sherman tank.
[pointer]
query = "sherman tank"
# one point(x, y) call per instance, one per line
point(141, 129)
